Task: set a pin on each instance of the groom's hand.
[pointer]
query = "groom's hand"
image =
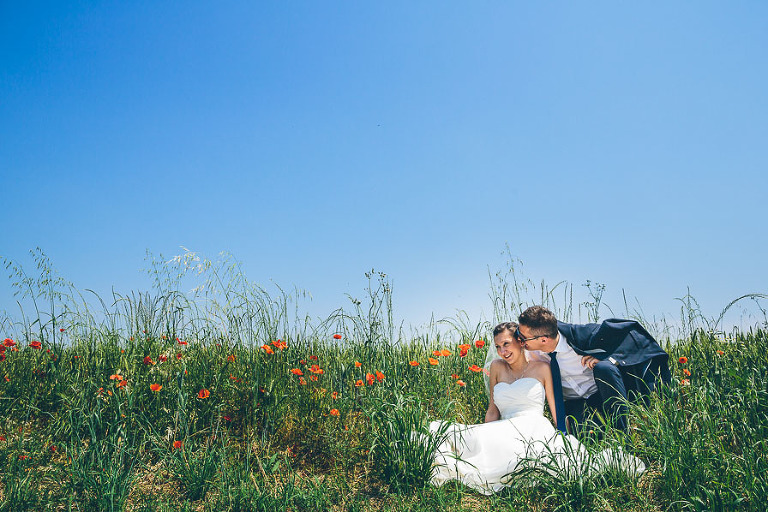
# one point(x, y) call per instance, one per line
point(589, 361)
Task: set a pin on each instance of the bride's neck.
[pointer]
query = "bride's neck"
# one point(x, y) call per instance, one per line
point(518, 367)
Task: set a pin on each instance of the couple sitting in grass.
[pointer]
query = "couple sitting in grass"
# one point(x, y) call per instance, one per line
point(580, 371)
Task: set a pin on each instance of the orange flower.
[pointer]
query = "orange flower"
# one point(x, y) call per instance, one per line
point(313, 358)
point(461, 383)
point(8, 342)
point(297, 371)
point(433, 361)
point(36, 345)
point(358, 364)
point(436, 353)
point(162, 358)
point(445, 352)
point(316, 369)
point(682, 360)
point(313, 378)
point(455, 375)
point(370, 379)
point(333, 412)
point(686, 372)
point(464, 350)
point(267, 349)
point(685, 382)
point(359, 383)
point(280, 344)
point(475, 368)
point(232, 377)
point(337, 336)
point(414, 363)
point(231, 358)
point(155, 387)
point(121, 384)
point(203, 394)
point(335, 395)
point(302, 381)
point(720, 352)
point(181, 342)
point(177, 445)
point(115, 376)
point(479, 343)
point(178, 356)
point(379, 376)
point(464, 346)
point(148, 360)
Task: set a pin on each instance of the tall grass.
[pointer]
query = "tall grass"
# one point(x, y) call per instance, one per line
point(228, 398)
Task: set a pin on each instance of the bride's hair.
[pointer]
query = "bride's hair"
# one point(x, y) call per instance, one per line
point(505, 326)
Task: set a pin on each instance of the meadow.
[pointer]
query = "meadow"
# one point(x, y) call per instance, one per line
point(226, 398)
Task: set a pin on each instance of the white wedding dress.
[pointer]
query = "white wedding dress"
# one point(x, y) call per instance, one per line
point(485, 456)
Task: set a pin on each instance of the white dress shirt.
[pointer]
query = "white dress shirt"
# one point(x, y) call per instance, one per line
point(578, 381)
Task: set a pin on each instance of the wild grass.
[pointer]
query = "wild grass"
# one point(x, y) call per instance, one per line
point(226, 398)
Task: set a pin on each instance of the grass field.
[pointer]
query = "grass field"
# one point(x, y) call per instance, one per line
point(165, 402)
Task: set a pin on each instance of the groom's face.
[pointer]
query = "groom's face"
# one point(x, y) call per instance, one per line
point(534, 342)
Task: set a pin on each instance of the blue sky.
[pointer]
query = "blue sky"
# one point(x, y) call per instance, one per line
point(609, 141)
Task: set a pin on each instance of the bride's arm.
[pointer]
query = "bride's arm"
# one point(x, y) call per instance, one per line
point(492, 414)
point(544, 374)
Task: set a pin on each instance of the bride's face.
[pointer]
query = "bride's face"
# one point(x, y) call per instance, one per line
point(508, 347)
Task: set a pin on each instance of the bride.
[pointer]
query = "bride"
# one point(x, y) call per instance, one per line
point(515, 435)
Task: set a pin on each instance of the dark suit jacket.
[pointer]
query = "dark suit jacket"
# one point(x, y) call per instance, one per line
point(623, 342)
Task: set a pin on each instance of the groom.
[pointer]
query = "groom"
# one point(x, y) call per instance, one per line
point(597, 365)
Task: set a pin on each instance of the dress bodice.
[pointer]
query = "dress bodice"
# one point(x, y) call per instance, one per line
point(522, 397)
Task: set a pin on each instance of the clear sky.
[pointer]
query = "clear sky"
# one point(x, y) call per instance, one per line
point(618, 142)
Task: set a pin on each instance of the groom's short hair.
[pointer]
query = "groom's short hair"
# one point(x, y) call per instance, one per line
point(539, 320)
point(505, 326)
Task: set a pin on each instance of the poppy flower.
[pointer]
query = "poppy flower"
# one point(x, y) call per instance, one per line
point(414, 363)
point(461, 383)
point(436, 353)
point(685, 382)
point(720, 352)
point(267, 349)
point(156, 387)
point(203, 394)
point(682, 360)
point(231, 358)
point(686, 372)
point(370, 379)
point(379, 376)
point(121, 384)
point(313, 358)
point(178, 356)
point(475, 368)
point(2, 438)
point(433, 361)
point(455, 375)
point(2, 349)
point(297, 371)
point(232, 377)
point(62, 329)
point(162, 358)
point(359, 383)
point(148, 361)
point(335, 395)
point(358, 364)
point(116, 376)
point(333, 412)
point(177, 445)
point(2, 356)
point(302, 381)
point(36, 345)
point(8, 342)
point(181, 342)
point(313, 378)
point(445, 352)
point(316, 369)
point(53, 448)
point(479, 343)
point(227, 418)
point(337, 336)
point(280, 344)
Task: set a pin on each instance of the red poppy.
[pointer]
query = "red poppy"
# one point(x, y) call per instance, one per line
point(61, 330)
point(445, 352)
point(370, 379)
point(181, 342)
point(178, 356)
point(436, 353)
point(333, 412)
point(267, 349)
point(313, 378)
point(379, 376)
point(232, 377)
point(686, 372)
point(685, 382)
point(461, 383)
point(414, 363)
point(475, 368)
point(36, 345)
point(227, 418)
point(203, 394)
point(302, 381)
point(455, 375)
point(2, 349)
point(297, 371)
point(148, 361)
point(116, 376)
point(313, 358)
point(2, 356)
point(156, 387)
point(231, 358)
point(53, 448)
point(7, 378)
point(121, 384)
point(359, 383)
point(433, 361)
point(162, 358)
point(682, 360)
point(280, 344)
point(479, 343)
point(2, 438)
point(720, 352)
point(337, 336)
point(177, 445)
point(358, 364)
point(335, 395)
point(8, 342)
point(316, 369)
